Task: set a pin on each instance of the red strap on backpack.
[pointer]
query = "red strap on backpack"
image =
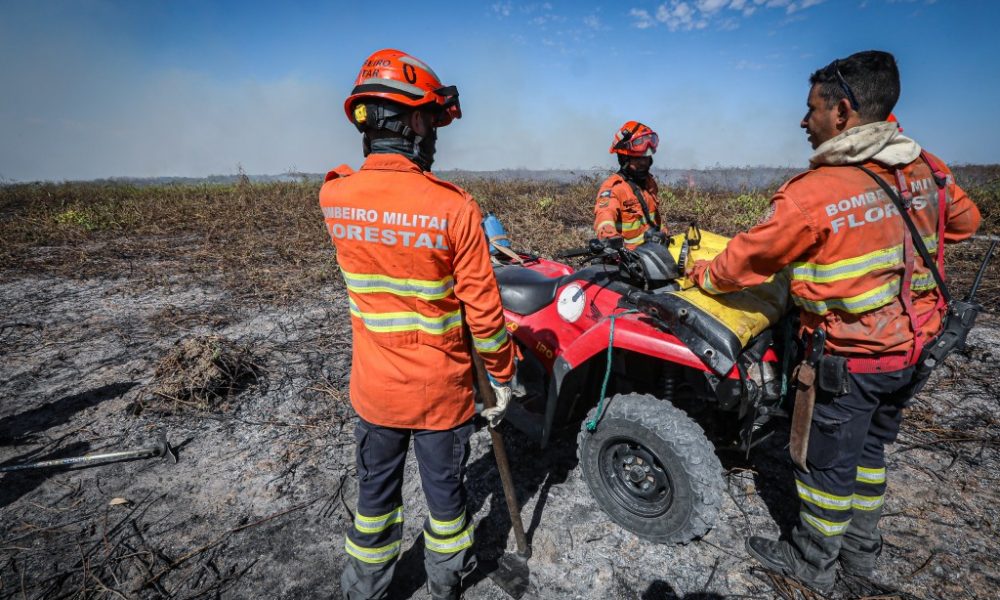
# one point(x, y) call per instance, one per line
point(941, 180)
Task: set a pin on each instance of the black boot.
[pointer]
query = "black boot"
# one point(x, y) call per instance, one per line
point(782, 558)
point(862, 544)
point(443, 592)
point(860, 563)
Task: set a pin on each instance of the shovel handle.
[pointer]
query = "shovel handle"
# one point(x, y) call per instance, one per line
point(500, 452)
point(161, 449)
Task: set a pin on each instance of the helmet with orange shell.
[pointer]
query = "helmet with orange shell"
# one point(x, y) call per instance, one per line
point(396, 77)
point(634, 139)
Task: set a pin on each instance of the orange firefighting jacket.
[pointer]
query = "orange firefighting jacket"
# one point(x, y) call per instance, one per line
point(414, 259)
point(618, 213)
point(844, 241)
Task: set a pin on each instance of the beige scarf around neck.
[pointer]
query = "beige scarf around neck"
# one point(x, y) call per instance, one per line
point(880, 141)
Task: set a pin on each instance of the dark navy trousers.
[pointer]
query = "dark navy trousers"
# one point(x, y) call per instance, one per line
point(373, 544)
point(842, 494)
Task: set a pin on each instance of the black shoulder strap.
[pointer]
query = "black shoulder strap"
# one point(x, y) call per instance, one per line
point(642, 202)
point(918, 241)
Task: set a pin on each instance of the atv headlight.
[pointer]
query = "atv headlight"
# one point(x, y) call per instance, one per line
point(571, 303)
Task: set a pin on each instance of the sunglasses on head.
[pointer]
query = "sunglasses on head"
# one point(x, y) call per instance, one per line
point(844, 86)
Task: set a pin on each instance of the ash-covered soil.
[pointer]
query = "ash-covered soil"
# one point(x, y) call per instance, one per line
point(261, 497)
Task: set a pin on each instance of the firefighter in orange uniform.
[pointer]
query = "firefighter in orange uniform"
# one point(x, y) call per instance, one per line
point(626, 207)
point(417, 270)
point(856, 277)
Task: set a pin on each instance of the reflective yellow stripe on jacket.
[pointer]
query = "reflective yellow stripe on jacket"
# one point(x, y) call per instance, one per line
point(363, 283)
point(492, 343)
point(635, 241)
point(851, 268)
point(819, 275)
point(393, 322)
point(870, 300)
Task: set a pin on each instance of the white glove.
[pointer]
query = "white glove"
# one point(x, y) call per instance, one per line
point(502, 391)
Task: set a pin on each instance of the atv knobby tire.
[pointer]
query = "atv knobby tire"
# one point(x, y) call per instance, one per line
point(651, 468)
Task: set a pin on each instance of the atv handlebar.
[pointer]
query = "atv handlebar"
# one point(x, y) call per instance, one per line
point(594, 249)
point(575, 253)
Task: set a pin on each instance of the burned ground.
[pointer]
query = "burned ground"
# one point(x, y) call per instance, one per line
point(97, 307)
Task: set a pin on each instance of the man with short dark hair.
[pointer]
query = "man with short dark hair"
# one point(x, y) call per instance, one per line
point(858, 281)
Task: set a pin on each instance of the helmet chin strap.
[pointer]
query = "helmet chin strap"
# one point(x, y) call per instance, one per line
point(639, 177)
point(419, 149)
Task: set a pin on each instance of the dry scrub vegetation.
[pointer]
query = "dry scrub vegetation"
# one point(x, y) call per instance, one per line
point(215, 314)
point(266, 240)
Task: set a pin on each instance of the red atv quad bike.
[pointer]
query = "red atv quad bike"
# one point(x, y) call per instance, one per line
point(618, 342)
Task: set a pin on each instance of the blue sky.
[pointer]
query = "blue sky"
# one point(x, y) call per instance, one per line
point(101, 88)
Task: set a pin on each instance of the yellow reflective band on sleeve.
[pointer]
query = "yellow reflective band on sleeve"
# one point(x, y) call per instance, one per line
point(867, 502)
point(447, 527)
point(492, 343)
point(378, 524)
point(630, 227)
point(822, 499)
point(603, 223)
point(392, 322)
point(849, 267)
point(930, 242)
point(870, 300)
point(827, 528)
point(363, 283)
point(706, 284)
point(867, 475)
point(922, 282)
point(372, 555)
point(449, 545)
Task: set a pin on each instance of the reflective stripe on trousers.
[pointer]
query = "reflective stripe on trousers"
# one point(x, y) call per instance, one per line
point(846, 459)
point(375, 541)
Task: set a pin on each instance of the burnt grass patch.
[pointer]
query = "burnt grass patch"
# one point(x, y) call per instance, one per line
point(215, 314)
point(202, 373)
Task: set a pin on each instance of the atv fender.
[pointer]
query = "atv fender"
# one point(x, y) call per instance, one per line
point(636, 333)
point(633, 332)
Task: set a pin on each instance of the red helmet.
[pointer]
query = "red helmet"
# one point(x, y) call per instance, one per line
point(634, 139)
point(398, 77)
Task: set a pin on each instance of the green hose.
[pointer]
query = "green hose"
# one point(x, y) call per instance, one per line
point(592, 424)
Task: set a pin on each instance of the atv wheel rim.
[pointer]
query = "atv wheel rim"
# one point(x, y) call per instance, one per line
point(636, 479)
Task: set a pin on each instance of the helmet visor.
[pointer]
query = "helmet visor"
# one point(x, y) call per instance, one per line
point(642, 143)
point(450, 107)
